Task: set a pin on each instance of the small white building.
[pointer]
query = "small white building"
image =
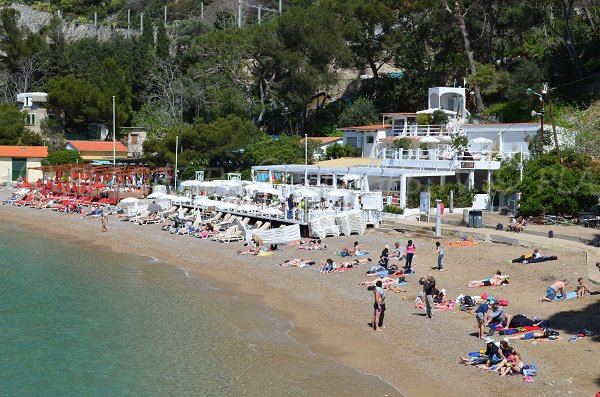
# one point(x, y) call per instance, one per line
point(321, 144)
point(366, 138)
point(34, 105)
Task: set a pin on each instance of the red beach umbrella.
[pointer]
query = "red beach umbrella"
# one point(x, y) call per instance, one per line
point(24, 184)
point(99, 185)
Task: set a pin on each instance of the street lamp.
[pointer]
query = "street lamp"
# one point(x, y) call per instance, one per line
point(543, 98)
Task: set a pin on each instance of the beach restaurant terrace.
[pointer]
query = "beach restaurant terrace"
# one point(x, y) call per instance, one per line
point(363, 178)
point(114, 182)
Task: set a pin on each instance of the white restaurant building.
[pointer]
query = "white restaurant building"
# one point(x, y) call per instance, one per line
point(383, 167)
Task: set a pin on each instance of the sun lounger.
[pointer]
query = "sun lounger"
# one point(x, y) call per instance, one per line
point(152, 219)
point(235, 236)
point(265, 226)
point(227, 232)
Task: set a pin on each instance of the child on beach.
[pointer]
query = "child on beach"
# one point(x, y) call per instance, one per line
point(582, 289)
point(104, 222)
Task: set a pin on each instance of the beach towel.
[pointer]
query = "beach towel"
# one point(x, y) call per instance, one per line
point(466, 243)
point(570, 295)
point(267, 253)
point(400, 284)
point(512, 331)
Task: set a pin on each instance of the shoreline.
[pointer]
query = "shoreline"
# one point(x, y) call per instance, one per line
point(310, 302)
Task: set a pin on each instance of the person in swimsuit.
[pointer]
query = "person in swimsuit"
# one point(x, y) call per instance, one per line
point(553, 290)
point(496, 280)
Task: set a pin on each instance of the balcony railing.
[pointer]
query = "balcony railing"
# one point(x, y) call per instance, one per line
point(422, 130)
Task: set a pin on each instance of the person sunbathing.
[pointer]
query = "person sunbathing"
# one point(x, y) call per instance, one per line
point(495, 280)
point(356, 262)
point(297, 262)
point(526, 257)
point(298, 242)
point(389, 283)
point(543, 334)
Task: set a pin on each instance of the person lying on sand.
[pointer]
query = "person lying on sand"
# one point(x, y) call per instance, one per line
point(496, 280)
point(554, 289)
point(521, 320)
point(526, 257)
point(389, 283)
point(297, 262)
point(356, 262)
point(543, 334)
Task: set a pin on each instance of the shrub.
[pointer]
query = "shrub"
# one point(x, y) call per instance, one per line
point(393, 210)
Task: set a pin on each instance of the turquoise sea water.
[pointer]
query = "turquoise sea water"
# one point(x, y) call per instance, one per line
point(82, 321)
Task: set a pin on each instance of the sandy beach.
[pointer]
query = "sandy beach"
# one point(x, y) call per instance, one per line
point(330, 312)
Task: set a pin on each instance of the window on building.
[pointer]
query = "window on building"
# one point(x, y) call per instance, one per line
point(28, 101)
point(370, 139)
point(352, 141)
point(134, 139)
point(19, 168)
point(30, 119)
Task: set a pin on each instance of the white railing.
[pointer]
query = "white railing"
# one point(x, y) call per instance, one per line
point(418, 130)
point(413, 154)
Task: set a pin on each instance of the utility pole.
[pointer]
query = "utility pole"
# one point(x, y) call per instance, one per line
point(128, 22)
point(96, 22)
point(202, 11)
point(142, 23)
point(165, 15)
point(280, 6)
point(259, 14)
point(554, 131)
point(114, 134)
point(240, 11)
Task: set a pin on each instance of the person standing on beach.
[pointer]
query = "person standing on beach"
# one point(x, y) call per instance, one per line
point(379, 306)
point(440, 253)
point(410, 253)
point(290, 207)
point(104, 222)
point(428, 283)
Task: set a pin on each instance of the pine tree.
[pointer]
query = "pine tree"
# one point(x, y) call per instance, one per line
point(162, 42)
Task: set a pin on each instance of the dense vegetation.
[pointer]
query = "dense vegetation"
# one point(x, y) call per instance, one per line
point(224, 89)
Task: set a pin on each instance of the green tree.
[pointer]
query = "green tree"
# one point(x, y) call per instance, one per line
point(12, 124)
point(62, 157)
point(361, 112)
point(266, 150)
point(162, 42)
point(220, 143)
point(551, 187)
point(368, 27)
point(336, 151)
point(506, 178)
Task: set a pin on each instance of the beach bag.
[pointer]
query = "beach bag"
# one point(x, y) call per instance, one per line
point(468, 301)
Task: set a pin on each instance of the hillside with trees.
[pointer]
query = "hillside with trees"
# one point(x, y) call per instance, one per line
point(224, 88)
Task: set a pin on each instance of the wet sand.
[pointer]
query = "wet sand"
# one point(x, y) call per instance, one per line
point(330, 313)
